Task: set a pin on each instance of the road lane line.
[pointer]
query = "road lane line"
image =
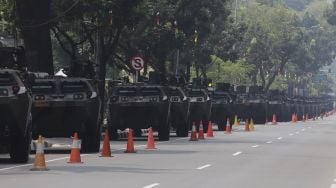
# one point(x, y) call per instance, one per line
point(83, 155)
point(255, 146)
point(269, 142)
point(237, 153)
point(203, 167)
point(152, 185)
point(52, 160)
point(291, 134)
point(280, 138)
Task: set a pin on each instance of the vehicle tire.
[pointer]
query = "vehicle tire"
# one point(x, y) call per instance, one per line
point(91, 139)
point(20, 146)
point(164, 131)
point(182, 130)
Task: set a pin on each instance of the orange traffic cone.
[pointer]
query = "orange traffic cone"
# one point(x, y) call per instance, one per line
point(210, 131)
point(75, 150)
point(274, 120)
point(193, 135)
point(130, 144)
point(235, 121)
point(293, 118)
point(106, 152)
point(201, 131)
point(247, 125)
point(150, 140)
point(228, 128)
point(39, 164)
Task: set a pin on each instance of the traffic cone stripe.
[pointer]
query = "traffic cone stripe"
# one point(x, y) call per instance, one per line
point(76, 144)
point(75, 150)
point(39, 164)
point(39, 148)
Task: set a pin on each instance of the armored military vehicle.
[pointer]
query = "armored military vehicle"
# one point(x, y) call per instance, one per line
point(62, 106)
point(138, 106)
point(200, 103)
point(251, 103)
point(179, 110)
point(222, 104)
point(15, 105)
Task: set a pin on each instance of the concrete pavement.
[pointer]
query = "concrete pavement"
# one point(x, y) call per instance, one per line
point(284, 155)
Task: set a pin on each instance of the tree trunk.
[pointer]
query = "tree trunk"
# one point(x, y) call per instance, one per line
point(262, 76)
point(271, 80)
point(34, 22)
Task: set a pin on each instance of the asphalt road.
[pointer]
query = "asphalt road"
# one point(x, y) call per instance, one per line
point(287, 155)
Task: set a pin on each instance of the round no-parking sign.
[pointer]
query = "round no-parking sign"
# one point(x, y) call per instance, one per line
point(137, 63)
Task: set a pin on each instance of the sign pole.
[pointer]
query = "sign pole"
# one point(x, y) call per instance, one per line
point(136, 76)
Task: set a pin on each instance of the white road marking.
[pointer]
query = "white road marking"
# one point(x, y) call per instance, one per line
point(333, 186)
point(52, 160)
point(334, 180)
point(269, 142)
point(255, 146)
point(152, 185)
point(279, 138)
point(237, 153)
point(303, 129)
point(203, 167)
point(291, 134)
point(83, 155)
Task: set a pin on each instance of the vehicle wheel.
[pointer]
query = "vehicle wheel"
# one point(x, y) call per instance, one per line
point(20, 147)
point(164, 131)
point(91, 139)
point(182, 130)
